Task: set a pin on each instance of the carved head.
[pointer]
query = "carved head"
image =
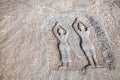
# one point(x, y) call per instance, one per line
point(82, 27)
point(61, 31)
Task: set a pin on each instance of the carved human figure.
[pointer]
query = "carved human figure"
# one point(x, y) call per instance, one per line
point(85, 43)
point(62, 34)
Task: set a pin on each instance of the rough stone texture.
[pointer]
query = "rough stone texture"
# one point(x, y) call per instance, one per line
point(28, 48)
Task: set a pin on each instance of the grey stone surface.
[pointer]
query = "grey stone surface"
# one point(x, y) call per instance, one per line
point(28, 48)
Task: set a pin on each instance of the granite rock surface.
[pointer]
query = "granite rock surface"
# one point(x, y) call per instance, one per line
point(30, 51)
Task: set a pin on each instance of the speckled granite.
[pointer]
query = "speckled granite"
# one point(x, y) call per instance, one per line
point(30, 51)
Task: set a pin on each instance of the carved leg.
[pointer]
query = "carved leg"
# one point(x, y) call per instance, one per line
point(90, 61)
point(89, 58)
point(93, 54)
point(95, 60)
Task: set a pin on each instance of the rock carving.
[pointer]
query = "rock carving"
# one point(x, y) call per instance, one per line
point(85, 43)
point(62, 34)
point(105, 47)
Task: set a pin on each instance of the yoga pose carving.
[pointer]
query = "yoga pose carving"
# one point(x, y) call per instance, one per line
point(86, 45)
point(62, 34)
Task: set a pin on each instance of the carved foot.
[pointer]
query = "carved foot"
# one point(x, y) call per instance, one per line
point(62, 66)
point(84, 69)
point(111, 67)
point(99, 66)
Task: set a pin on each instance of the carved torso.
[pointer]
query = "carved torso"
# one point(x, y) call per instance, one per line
point(86, 42)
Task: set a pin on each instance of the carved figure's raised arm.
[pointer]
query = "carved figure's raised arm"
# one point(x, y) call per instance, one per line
point(86, 28)
point(54, 30)
point(75, 26)
point(65, 31)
